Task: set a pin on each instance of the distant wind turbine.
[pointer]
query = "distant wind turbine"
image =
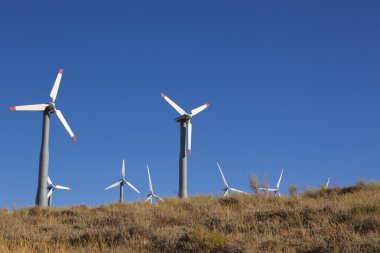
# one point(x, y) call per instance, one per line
point(274, 190)
point(46, 109)
point(227, 188)
point(52, 187)
point(121, 182)
point(184, 121)
point(151, 194)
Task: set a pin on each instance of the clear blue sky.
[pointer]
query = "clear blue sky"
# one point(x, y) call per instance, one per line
point(292, 85)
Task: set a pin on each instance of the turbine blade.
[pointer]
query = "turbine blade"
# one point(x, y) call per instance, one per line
point(279, 180)
point(224, 179)
point(149, 198)
point(150, 180)
point(62, 187)
point(130, 185)
point(199, 109)
point(158, 197)
point(225, 193)
point(279, 194)
point(174, 105)
point(236, 190)
point(49, 180)
point(189, 130)
point(54, 91)
point(113, 185)
point(328, 181)
point(123, 169)
point(37, 107)
point(64, 123)
point(50, 192)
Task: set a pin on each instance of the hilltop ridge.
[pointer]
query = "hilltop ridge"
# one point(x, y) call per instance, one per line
point(341, 219)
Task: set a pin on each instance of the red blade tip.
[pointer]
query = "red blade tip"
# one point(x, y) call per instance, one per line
point(61, 71)
point(74, 138)
point(163, 95)
point(189, 152)
point(12, 108)
point(208, 104)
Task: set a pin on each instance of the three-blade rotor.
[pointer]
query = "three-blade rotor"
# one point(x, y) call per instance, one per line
point(49, 106)
point(185, 117)
point(274, 190)
point(122, 180)
point(227, 188)
point(52, 187)
point(151, 194)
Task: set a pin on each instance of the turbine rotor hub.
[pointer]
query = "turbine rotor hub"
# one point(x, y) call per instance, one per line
point(183, 118)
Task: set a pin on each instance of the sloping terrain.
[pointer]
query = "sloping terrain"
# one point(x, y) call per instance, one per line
point(324, 220)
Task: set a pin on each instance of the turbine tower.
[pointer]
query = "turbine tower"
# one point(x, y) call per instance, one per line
point(51, 187)
point(184, 121)
point(121, 182)
point(151, 194)
point(47, 110)
point(274, 190)
point(226, 187)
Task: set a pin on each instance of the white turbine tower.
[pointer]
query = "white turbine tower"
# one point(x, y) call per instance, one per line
point(274, 190)
point(227, 188)
point(47, 109)
point(121, 182)
point(184, 121)
point(151, 194)
point(52, 187)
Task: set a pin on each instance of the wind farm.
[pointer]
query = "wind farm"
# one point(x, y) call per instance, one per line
point(285, 160)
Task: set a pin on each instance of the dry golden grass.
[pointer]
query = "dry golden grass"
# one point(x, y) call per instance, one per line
point(324, 220)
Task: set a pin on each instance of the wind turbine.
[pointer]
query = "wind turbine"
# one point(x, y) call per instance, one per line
point(51, 187)
point(327, 184)
point(46, 109)
point(184, 121)
point(274, 190)
point(151, 194)
point(121, 182)
point(227, 188)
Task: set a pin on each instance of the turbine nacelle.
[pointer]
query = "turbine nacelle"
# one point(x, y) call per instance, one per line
point(50, 107)
point(184, 118)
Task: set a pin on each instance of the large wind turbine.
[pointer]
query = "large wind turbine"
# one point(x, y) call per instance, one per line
point(51, 187)
point(184, 121)
point(274, 190)
point(151, 194)
point(121, 182)
point(226, 187)
point(46, 109)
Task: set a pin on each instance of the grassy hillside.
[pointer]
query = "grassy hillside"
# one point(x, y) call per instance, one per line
point(333, 220)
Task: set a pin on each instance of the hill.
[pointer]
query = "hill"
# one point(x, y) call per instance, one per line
point(341, 219)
